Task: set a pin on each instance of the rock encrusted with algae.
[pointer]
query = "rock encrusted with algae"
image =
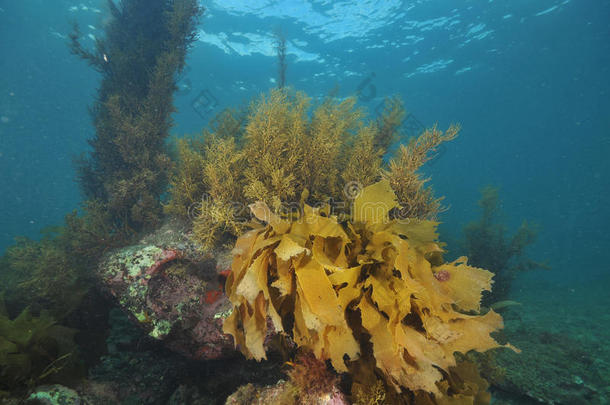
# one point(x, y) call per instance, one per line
point(54, 395)
point(281, 393)
point(173, 290)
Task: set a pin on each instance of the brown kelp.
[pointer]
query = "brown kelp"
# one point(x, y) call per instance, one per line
point(144, 48)
point(123, 176)
point(368, 287)
point(343, 256)
point(488, 244)
point(280, 48)
point(285, 150)
point(143, 51)
point(35, 350)
point(55, 272)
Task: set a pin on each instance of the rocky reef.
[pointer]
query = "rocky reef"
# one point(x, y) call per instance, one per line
point(174, 291)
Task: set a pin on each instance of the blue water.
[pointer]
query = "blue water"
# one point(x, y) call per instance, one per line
point(527, 80)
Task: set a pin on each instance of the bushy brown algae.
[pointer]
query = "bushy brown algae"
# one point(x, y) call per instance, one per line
point(128, 167)
point(286, 150)
point(488, 244)
point(124, 175)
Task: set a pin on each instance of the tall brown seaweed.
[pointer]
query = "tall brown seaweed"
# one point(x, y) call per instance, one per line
point(144, 49)
point(124, 174)
point(489, 245)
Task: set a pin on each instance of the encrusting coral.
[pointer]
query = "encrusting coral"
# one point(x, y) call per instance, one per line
point(283, 150)
point(368, 283)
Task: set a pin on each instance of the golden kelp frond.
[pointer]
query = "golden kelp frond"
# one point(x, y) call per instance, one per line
point(415, 199)
point(459, 277)
point(372, 207)
point(411, 314)
point(463, 385)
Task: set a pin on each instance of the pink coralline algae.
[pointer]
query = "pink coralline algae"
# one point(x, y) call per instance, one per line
point(442, 275)
point(166, 256)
